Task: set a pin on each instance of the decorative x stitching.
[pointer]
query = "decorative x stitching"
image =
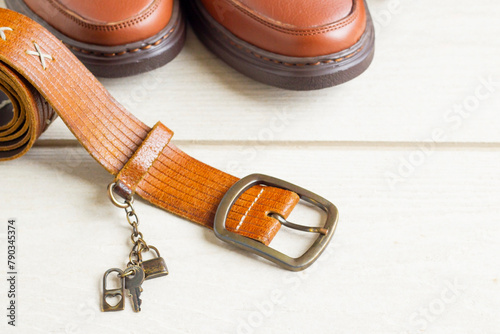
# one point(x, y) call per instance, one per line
point(2, 32)
point(40, 54)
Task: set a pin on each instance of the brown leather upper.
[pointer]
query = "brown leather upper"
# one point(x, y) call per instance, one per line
point(297, 28)
point(144, 159)
point(105, 22)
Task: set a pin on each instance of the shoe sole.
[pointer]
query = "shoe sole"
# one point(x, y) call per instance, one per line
point(122, 60)
point(293, 73)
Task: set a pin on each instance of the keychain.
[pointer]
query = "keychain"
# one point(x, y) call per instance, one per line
point(137, 271)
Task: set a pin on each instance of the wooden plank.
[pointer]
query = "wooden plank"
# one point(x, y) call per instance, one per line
point(419, 255)
point(430, 57)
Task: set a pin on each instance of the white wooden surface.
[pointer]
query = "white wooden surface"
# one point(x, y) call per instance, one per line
point(417, 247)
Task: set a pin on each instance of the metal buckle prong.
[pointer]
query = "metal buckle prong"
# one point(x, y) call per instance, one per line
point(283, 221)
point(325, 233)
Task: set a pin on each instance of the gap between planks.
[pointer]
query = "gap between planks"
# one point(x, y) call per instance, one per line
point(336, 144)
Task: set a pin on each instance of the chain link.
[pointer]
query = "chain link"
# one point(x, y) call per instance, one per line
point(137, 238)
point(131, 215)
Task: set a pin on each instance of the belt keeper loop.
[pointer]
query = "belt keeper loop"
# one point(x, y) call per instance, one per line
point(141, 161)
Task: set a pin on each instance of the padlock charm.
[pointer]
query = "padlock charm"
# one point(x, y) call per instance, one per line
point(120, 291)
point(155, 267)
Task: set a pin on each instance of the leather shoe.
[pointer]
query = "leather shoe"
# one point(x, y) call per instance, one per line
point(292, 44)
point(113, 38)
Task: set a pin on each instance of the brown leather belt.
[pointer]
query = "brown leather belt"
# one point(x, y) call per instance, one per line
point(44, 80)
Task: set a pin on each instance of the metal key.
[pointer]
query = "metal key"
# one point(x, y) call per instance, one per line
point(134, 277)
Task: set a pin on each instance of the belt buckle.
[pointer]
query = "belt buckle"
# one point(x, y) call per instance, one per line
point(281, 259)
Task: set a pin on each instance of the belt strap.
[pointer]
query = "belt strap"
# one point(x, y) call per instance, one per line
point(43, 79)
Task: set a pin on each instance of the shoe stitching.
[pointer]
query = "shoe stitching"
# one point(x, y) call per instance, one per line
point(299, 32)
point(325, 61)
point(121, 53)
point(112, 27)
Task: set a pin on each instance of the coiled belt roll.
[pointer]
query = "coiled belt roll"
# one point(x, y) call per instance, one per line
point(42, 79)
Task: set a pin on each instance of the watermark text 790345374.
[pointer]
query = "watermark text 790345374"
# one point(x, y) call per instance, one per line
point(11, 271)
